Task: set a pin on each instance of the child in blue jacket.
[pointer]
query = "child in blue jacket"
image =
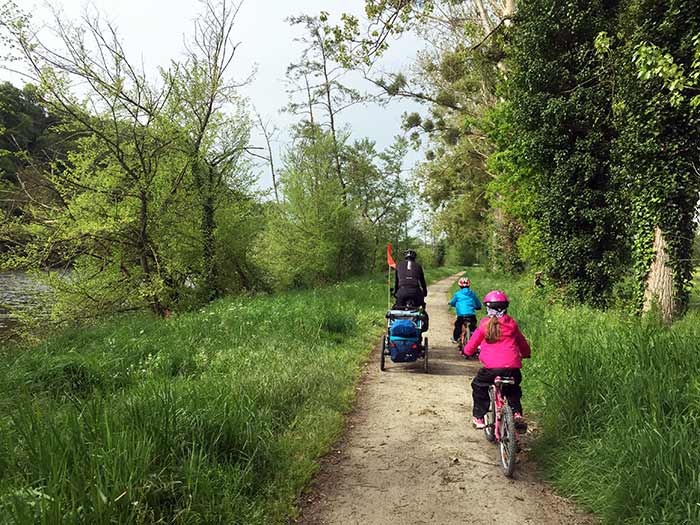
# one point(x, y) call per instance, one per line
point(466, 303)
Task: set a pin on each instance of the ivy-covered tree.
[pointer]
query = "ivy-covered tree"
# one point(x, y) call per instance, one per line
point(656, 52)
point(561, 129)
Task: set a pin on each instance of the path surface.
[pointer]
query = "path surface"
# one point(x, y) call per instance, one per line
point(410, 456)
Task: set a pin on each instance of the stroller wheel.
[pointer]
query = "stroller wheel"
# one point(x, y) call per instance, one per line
point(382, 357)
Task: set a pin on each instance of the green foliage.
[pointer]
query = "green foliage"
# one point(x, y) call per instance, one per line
point(653, 62)
point(312, 236)
point(656, 153)
point(320, 233)
point(30, 141)
point(134, 207)
point(561, 132)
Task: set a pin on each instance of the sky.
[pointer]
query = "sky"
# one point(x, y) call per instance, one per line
point(152, 31)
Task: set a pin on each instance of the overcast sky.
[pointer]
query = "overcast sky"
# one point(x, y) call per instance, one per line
point(153, 30)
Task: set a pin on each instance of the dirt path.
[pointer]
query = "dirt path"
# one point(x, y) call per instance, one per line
point(409, 454)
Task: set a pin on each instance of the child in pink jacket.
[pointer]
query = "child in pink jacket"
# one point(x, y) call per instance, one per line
point(502, 349)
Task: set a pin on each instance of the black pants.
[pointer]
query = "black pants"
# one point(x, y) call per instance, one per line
point(461, 320)
point(414, 297)
point(484, 379)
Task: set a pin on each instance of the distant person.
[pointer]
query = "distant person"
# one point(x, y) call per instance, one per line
point(409, 284)
point(502, 348)
point(466, 302)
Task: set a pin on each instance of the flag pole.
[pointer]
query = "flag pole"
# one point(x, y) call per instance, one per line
point(390, 262)
point(388, 289)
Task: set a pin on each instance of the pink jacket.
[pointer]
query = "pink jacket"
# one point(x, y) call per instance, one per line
point(506, 352)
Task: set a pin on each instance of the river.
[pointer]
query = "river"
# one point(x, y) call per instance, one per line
point(18, 293)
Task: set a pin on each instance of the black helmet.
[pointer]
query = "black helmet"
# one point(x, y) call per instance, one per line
point(410, 254)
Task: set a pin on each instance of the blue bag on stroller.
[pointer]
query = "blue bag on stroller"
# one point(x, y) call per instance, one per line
point(403, 328)
point(404, 339)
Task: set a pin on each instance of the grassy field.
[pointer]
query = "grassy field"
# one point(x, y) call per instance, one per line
point(617, 400)
point(215, 416)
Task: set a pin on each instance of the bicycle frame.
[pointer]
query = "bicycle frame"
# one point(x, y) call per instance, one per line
point(499, 400)
point(505, 437)
point(465, 335)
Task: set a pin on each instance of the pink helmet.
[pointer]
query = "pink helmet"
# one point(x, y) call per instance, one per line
point(464, 282)
point(496, 299)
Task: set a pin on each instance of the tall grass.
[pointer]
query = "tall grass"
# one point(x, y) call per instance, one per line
point(618, 402)
point(215, 416)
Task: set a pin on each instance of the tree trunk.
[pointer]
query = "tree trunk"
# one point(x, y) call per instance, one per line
point(331, 118)
point(659, 284)
point(145, 254)
point(483, 17)
point(268, 138)
point(208, 248)
point(309, 101)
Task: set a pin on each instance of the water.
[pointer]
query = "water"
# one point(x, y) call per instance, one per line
point(18, 293)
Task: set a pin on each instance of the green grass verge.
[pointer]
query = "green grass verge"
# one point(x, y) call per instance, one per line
point(215, 416)
point(618, 402)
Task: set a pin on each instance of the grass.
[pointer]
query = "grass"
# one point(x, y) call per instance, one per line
point(618, 402)
point(215, 416)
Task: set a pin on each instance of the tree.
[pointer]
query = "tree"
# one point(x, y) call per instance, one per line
point(560, 129)
point(322, 78)
point(379, 193)
point(151, 154)
point(456, 77)
point(214, 140)
point(30, 140)
point(312, 236)
point(656, 50)
point(121, 109)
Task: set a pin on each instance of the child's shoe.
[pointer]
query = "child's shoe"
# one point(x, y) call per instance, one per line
point(478, 422)
point(453, 340)
point(520, 423)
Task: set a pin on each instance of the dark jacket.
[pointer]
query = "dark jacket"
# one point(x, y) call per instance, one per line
point(409, 274)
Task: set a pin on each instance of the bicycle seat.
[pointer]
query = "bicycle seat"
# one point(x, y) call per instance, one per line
point(504, 381)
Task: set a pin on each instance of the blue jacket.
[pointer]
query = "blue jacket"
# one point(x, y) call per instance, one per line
point(466, 302)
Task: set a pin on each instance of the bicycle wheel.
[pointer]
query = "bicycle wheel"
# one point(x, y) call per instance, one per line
point(490, 419)
point(508, 444)
point(383, 354)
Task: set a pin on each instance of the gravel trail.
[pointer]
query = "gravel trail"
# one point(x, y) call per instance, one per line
point(409, 454)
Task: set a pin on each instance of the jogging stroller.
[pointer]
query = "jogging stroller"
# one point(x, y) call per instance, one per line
point(403, 341)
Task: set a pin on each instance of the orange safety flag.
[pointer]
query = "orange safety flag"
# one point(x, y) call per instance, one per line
point(389, 258)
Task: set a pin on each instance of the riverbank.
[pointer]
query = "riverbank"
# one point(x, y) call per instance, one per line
point(212, 416)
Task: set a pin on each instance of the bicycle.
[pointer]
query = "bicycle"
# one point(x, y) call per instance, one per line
point(464, 338)
point(500, 425)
